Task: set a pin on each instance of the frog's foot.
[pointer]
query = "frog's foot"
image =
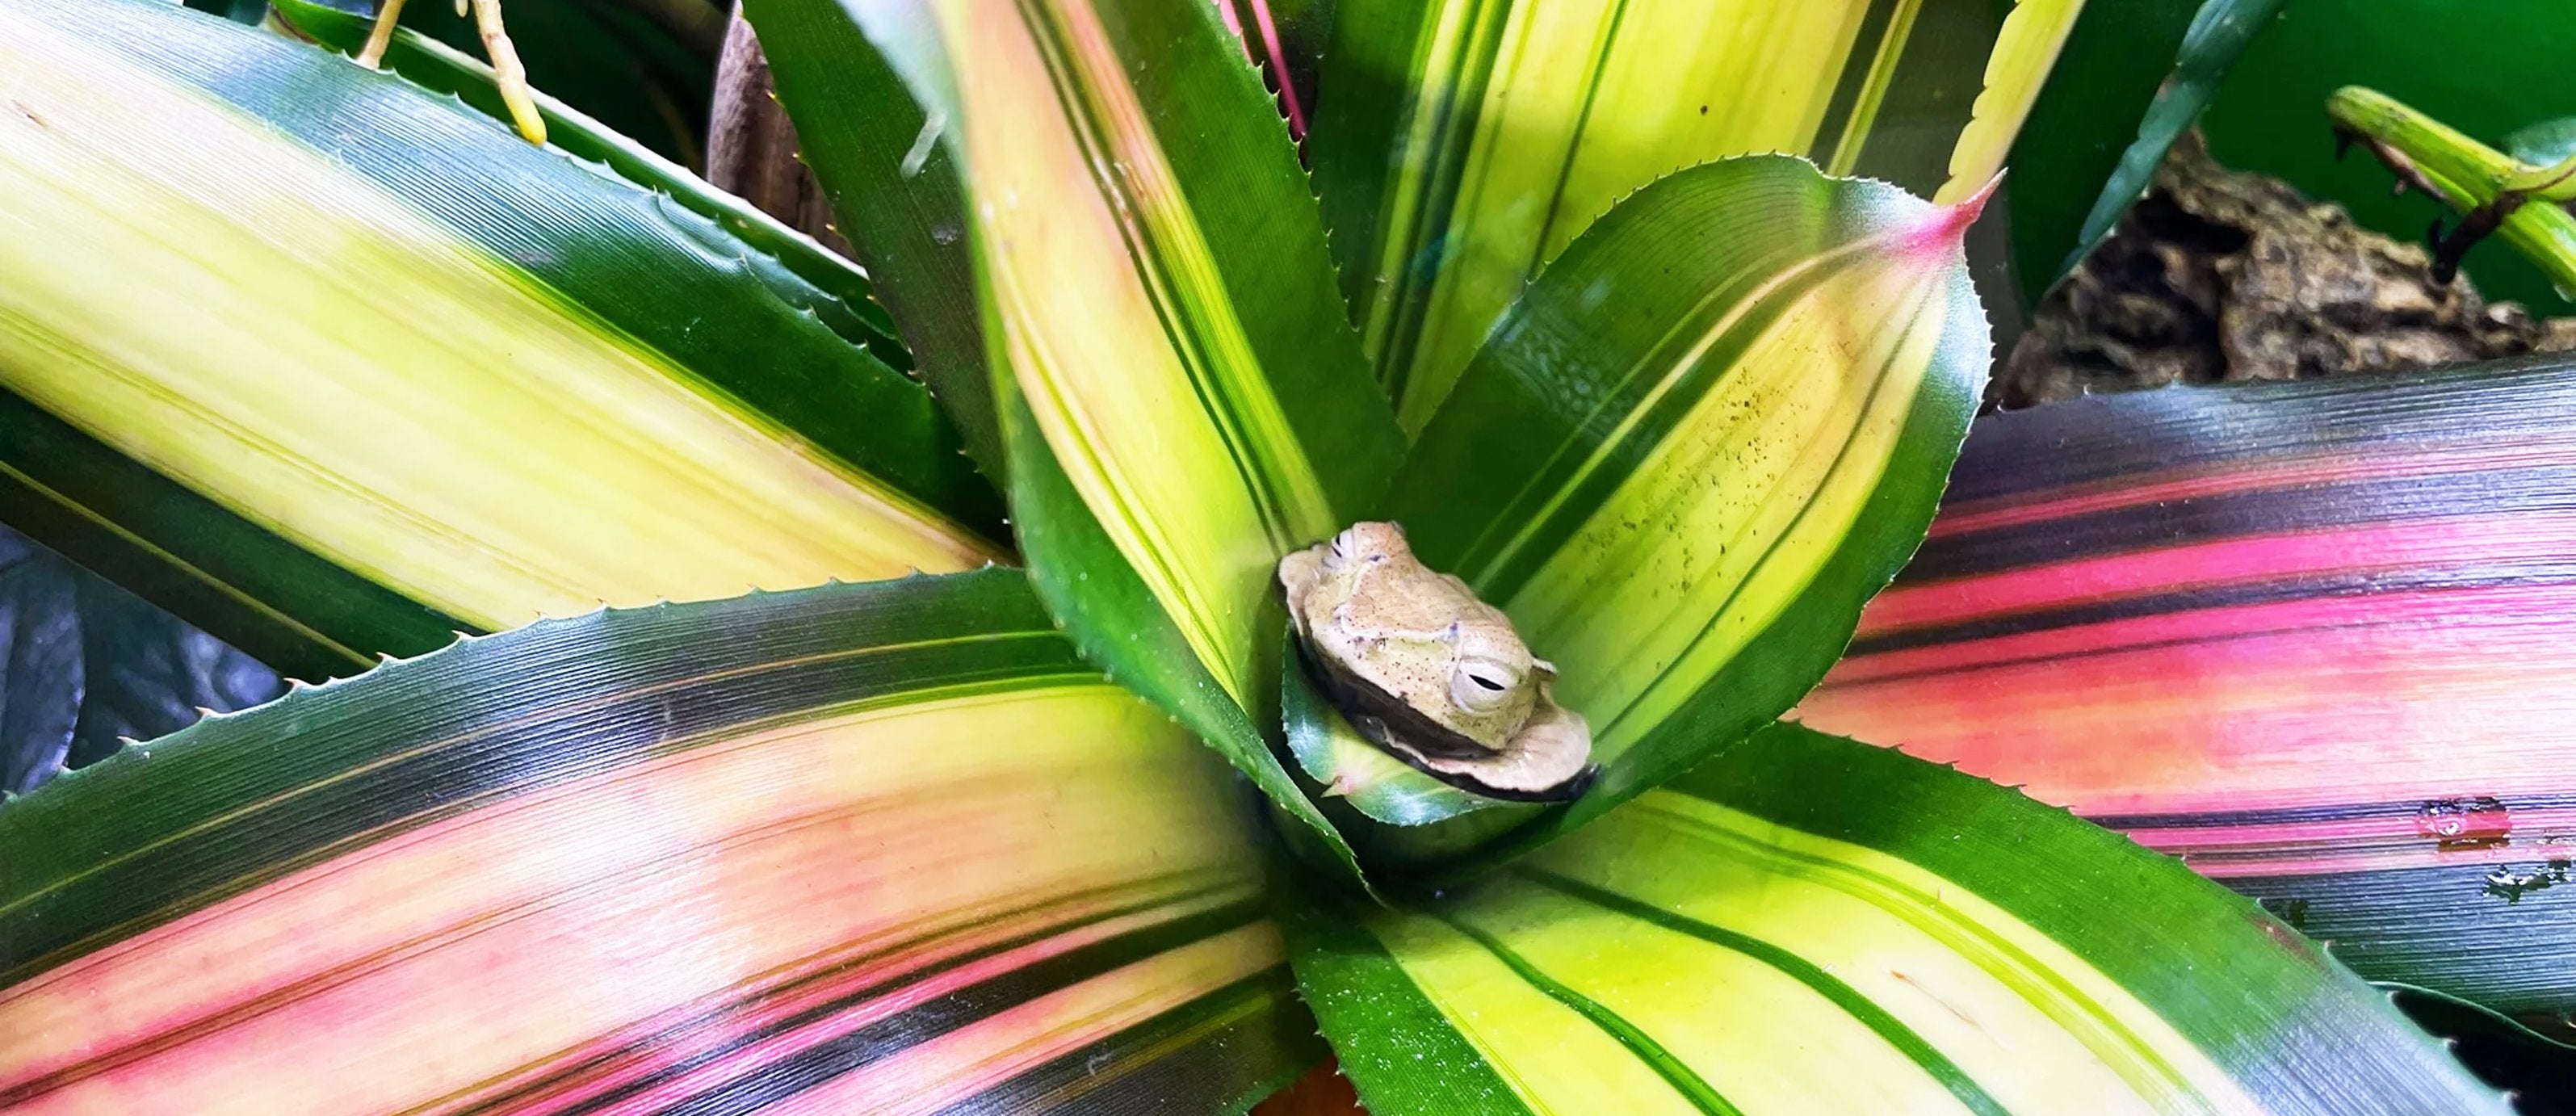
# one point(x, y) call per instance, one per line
point(1549, 760)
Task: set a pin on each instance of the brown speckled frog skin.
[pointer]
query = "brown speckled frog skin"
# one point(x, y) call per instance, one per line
point(1425, 668)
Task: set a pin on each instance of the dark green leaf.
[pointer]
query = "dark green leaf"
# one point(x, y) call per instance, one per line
point(895, 193)
point(435, 66)
point(2211, 45)
point(1288, 39)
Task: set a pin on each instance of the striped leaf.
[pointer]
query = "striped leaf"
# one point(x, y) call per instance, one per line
point(1808, 924)
point(1460, 145)
point(1706, 435)
point(1181, 397)
point(306, 344)
point(884, 848)
point(2318, 638)
point(1288, 40)
point(2025, 51)
point(645, 72)
point(851, 310)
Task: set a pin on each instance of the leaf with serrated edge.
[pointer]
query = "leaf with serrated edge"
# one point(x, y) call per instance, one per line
point(1159, 308)
point(1705, 436)
point(434, 65)
point(1460, 145)
point(2317, 638)
point(1811, 924)
point(858, 848)
point(491, 380)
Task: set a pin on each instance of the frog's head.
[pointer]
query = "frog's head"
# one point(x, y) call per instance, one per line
point(1418, 635)
point(1426, 669)
point(1367, 543)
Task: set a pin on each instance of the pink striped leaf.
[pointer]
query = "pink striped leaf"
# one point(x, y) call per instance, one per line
point(882, 848)
point(2319, 639)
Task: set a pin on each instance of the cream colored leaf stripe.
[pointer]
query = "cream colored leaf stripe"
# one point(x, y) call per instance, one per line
point(1522, 121)
point(1810, 924)
point(1177, 267)
point(2024, 54)
point(284, 187)
point(1959, 990)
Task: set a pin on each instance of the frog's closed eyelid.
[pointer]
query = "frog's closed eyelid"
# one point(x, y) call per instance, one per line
point(1482, 686)
point(1492, 674)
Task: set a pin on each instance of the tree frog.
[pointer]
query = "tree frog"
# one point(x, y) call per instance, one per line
point(1427, 671)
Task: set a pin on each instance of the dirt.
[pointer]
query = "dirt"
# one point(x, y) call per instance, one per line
point(2223, 275)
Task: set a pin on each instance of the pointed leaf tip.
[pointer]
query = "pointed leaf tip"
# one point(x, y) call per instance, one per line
point(1949, 223)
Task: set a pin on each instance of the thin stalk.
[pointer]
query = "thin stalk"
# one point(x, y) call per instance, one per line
point(2494, 192)
point(2555, 182)
point(381, 35)
point(507, 72)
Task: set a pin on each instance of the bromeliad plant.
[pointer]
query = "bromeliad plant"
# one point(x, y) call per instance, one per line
point(340, 366)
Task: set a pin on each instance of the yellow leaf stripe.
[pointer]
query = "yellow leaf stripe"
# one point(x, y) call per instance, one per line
point(1767, 473)
point(1116, 327)
point(2023, 56)
point(1745, 1005)
point(1582, 102)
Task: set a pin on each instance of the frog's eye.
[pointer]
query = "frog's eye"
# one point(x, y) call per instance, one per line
point(1343, 546)
point(1482, 685)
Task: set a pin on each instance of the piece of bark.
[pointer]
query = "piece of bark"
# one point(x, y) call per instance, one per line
point(2221, 275)
point(751, 145)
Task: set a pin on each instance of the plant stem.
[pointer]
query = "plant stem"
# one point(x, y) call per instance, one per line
point(508, 73)
point(2489, 187)
point(381, 35)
